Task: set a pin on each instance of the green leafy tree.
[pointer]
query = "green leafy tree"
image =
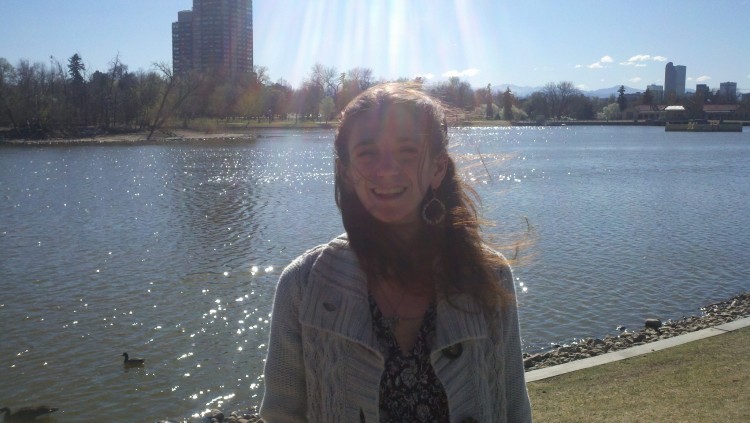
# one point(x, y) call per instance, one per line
point(507, 104)
point(622, 101)
point(77, 97)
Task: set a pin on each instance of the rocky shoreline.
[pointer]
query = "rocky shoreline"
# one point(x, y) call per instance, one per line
point(654, 330)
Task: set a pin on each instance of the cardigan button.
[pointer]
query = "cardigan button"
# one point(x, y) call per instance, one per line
point(454, 351)
point(329, 306)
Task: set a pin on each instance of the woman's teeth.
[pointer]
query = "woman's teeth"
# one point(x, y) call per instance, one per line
point(388, 191)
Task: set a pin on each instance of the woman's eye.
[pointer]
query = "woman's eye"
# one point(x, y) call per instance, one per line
point(365, 154)
point(409, 153)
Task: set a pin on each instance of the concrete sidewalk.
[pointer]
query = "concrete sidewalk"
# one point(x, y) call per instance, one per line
point(548, 372)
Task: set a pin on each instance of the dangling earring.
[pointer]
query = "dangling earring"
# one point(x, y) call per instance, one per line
point(434, 208)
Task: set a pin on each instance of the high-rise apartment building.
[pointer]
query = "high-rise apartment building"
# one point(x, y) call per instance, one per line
point(702, 90)
point(657, 93)
point(728, 90)
point(674, 80)
point(216, 36)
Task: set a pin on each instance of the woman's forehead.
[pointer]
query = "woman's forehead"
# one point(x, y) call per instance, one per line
point(400, 119)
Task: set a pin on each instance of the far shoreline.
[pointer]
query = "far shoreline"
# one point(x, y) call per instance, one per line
point(249, 132)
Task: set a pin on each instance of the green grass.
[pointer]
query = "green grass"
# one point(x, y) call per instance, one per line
point(702, 381)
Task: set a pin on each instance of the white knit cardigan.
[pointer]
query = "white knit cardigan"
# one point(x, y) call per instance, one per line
point(324, 364)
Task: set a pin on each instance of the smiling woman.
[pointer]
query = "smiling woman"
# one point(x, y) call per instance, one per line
point(408, 316)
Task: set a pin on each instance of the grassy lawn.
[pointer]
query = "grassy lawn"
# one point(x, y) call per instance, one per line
point(702, 381)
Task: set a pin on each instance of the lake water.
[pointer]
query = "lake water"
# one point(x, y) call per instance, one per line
point(171, 252)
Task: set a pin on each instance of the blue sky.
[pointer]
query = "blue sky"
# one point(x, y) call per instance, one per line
point(594, 44)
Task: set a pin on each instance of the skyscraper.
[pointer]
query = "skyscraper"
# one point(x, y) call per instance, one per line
point(216, 36)
point(728, 90)
point(674, 80)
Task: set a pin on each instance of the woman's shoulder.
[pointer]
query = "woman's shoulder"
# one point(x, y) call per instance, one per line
point(336, 248)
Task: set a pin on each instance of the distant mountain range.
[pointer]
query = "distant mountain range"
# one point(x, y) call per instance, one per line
point(520, 91)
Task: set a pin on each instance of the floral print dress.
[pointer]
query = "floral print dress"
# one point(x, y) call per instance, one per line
point(409, 389)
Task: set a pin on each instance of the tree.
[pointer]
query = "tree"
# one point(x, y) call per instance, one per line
point(185, 87)
point(327, 107)
point(507, 104)
point(558, 97)
point(7, 83)
point(76, 73)
point(489, 111)
point(611, 111)
point(622, 101)
point(455, 92)
point(581, 107)
point(76, 69)
point(116, 71)
point(355, 81)
point(536, 106)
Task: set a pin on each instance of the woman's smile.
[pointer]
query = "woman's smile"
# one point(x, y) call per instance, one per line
point(388, 193)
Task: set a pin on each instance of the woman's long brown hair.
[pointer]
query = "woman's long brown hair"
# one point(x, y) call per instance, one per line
point(450, 256)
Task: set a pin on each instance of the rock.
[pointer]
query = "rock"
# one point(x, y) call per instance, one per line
point(653, 323)
point(216, 415)
point(529, 362)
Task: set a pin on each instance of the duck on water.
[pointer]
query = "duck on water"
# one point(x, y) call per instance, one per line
point(132, 361)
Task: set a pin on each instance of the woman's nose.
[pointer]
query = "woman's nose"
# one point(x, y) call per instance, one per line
point(387, 165)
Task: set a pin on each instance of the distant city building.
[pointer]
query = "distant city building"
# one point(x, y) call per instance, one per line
point(681, 72)
point(657, 93)
point(182, 42)
point(728, 90)
point(216, 35)
point(702, 90)
point(674, 80)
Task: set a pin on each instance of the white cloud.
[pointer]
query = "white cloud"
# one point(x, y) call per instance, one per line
point(426, 76)
point(703, 78)
point(636, 79)
point(464, 73)
point(581, 87)
point(638, 60)
point(600, 63)
point(580, 66)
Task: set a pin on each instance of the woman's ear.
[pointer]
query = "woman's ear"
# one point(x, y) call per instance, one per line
point(441, 167)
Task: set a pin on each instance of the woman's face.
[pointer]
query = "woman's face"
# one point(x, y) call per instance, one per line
point(390, 164)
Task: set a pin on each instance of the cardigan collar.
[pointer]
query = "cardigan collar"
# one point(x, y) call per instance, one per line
point(335, 300)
